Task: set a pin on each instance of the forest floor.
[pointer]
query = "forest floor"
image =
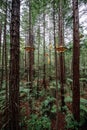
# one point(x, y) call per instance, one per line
point(61, 116)
point(61, 122)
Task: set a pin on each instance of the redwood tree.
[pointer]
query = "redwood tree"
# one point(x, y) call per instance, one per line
point(30, 44)
point(14, 67)
point(39, 40)
point(0, 52)
point(5, 51)
point(61, 55)
point(5, 60)
point(31, 55)
point(76, 86)
point(44, 51)
point(56, 69)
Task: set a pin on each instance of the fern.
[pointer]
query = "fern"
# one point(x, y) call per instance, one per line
point(83, 101)
point(83, 79)
point(69, 80)
point(68, 99)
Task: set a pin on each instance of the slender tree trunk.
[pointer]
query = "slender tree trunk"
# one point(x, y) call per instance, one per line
point(64, 68)
point(61, 56)
point(6, 72)
point(5, 43)
point(38, 69)
point(49, 65)
point(14, 67)
point(26, 55)
point(25, 64)
point(56, 70)
point(0, 54)
point(38, 59)
point(31, 56)
point(31, 45)
point(76, 53)
point(0, 40)
point(44, 59)
point(3, 57)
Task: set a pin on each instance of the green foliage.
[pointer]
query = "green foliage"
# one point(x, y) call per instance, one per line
point(23, 121)
point(54, 109)
point(48, 107)
point(24, 92)
point(68, 99)
point(83, 79)
point(83, 111)
point(71, 123)
point(83, 101)
point(39, 123)
point(83, 115)
point(47, 101)
point(83, 1)
point(53, 84)
point(42, 93)
point(64, 108)
point(2, 97)
point(69, 80)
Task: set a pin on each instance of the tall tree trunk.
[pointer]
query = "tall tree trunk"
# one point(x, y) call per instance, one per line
point(56, 70)
point(5, 43)
point(25, 64)
point(38, 69)
point(14, 67)
point(26, 57)
point(44, 59)
point(6, 72)
point(31, 45)
point(61, 56)
point(31, 56)
point(3, 57)
point(50, 47)
point(0, 41)
point(76, 53)
point(0, 55)
point(38, 59)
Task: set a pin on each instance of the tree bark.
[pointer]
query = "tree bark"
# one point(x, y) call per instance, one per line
point(31, 56)
point(61, 55)
point(0, 52)
point(14, 66)
point(38, 60)
point(30, 53)
point(44, 59)
point(0, 40)
point(6, 71)
point(3, 63)
point(56, 69)
point(5, 47)
point(76, 53)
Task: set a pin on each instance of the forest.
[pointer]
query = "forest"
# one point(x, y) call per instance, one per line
point(43, 67)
